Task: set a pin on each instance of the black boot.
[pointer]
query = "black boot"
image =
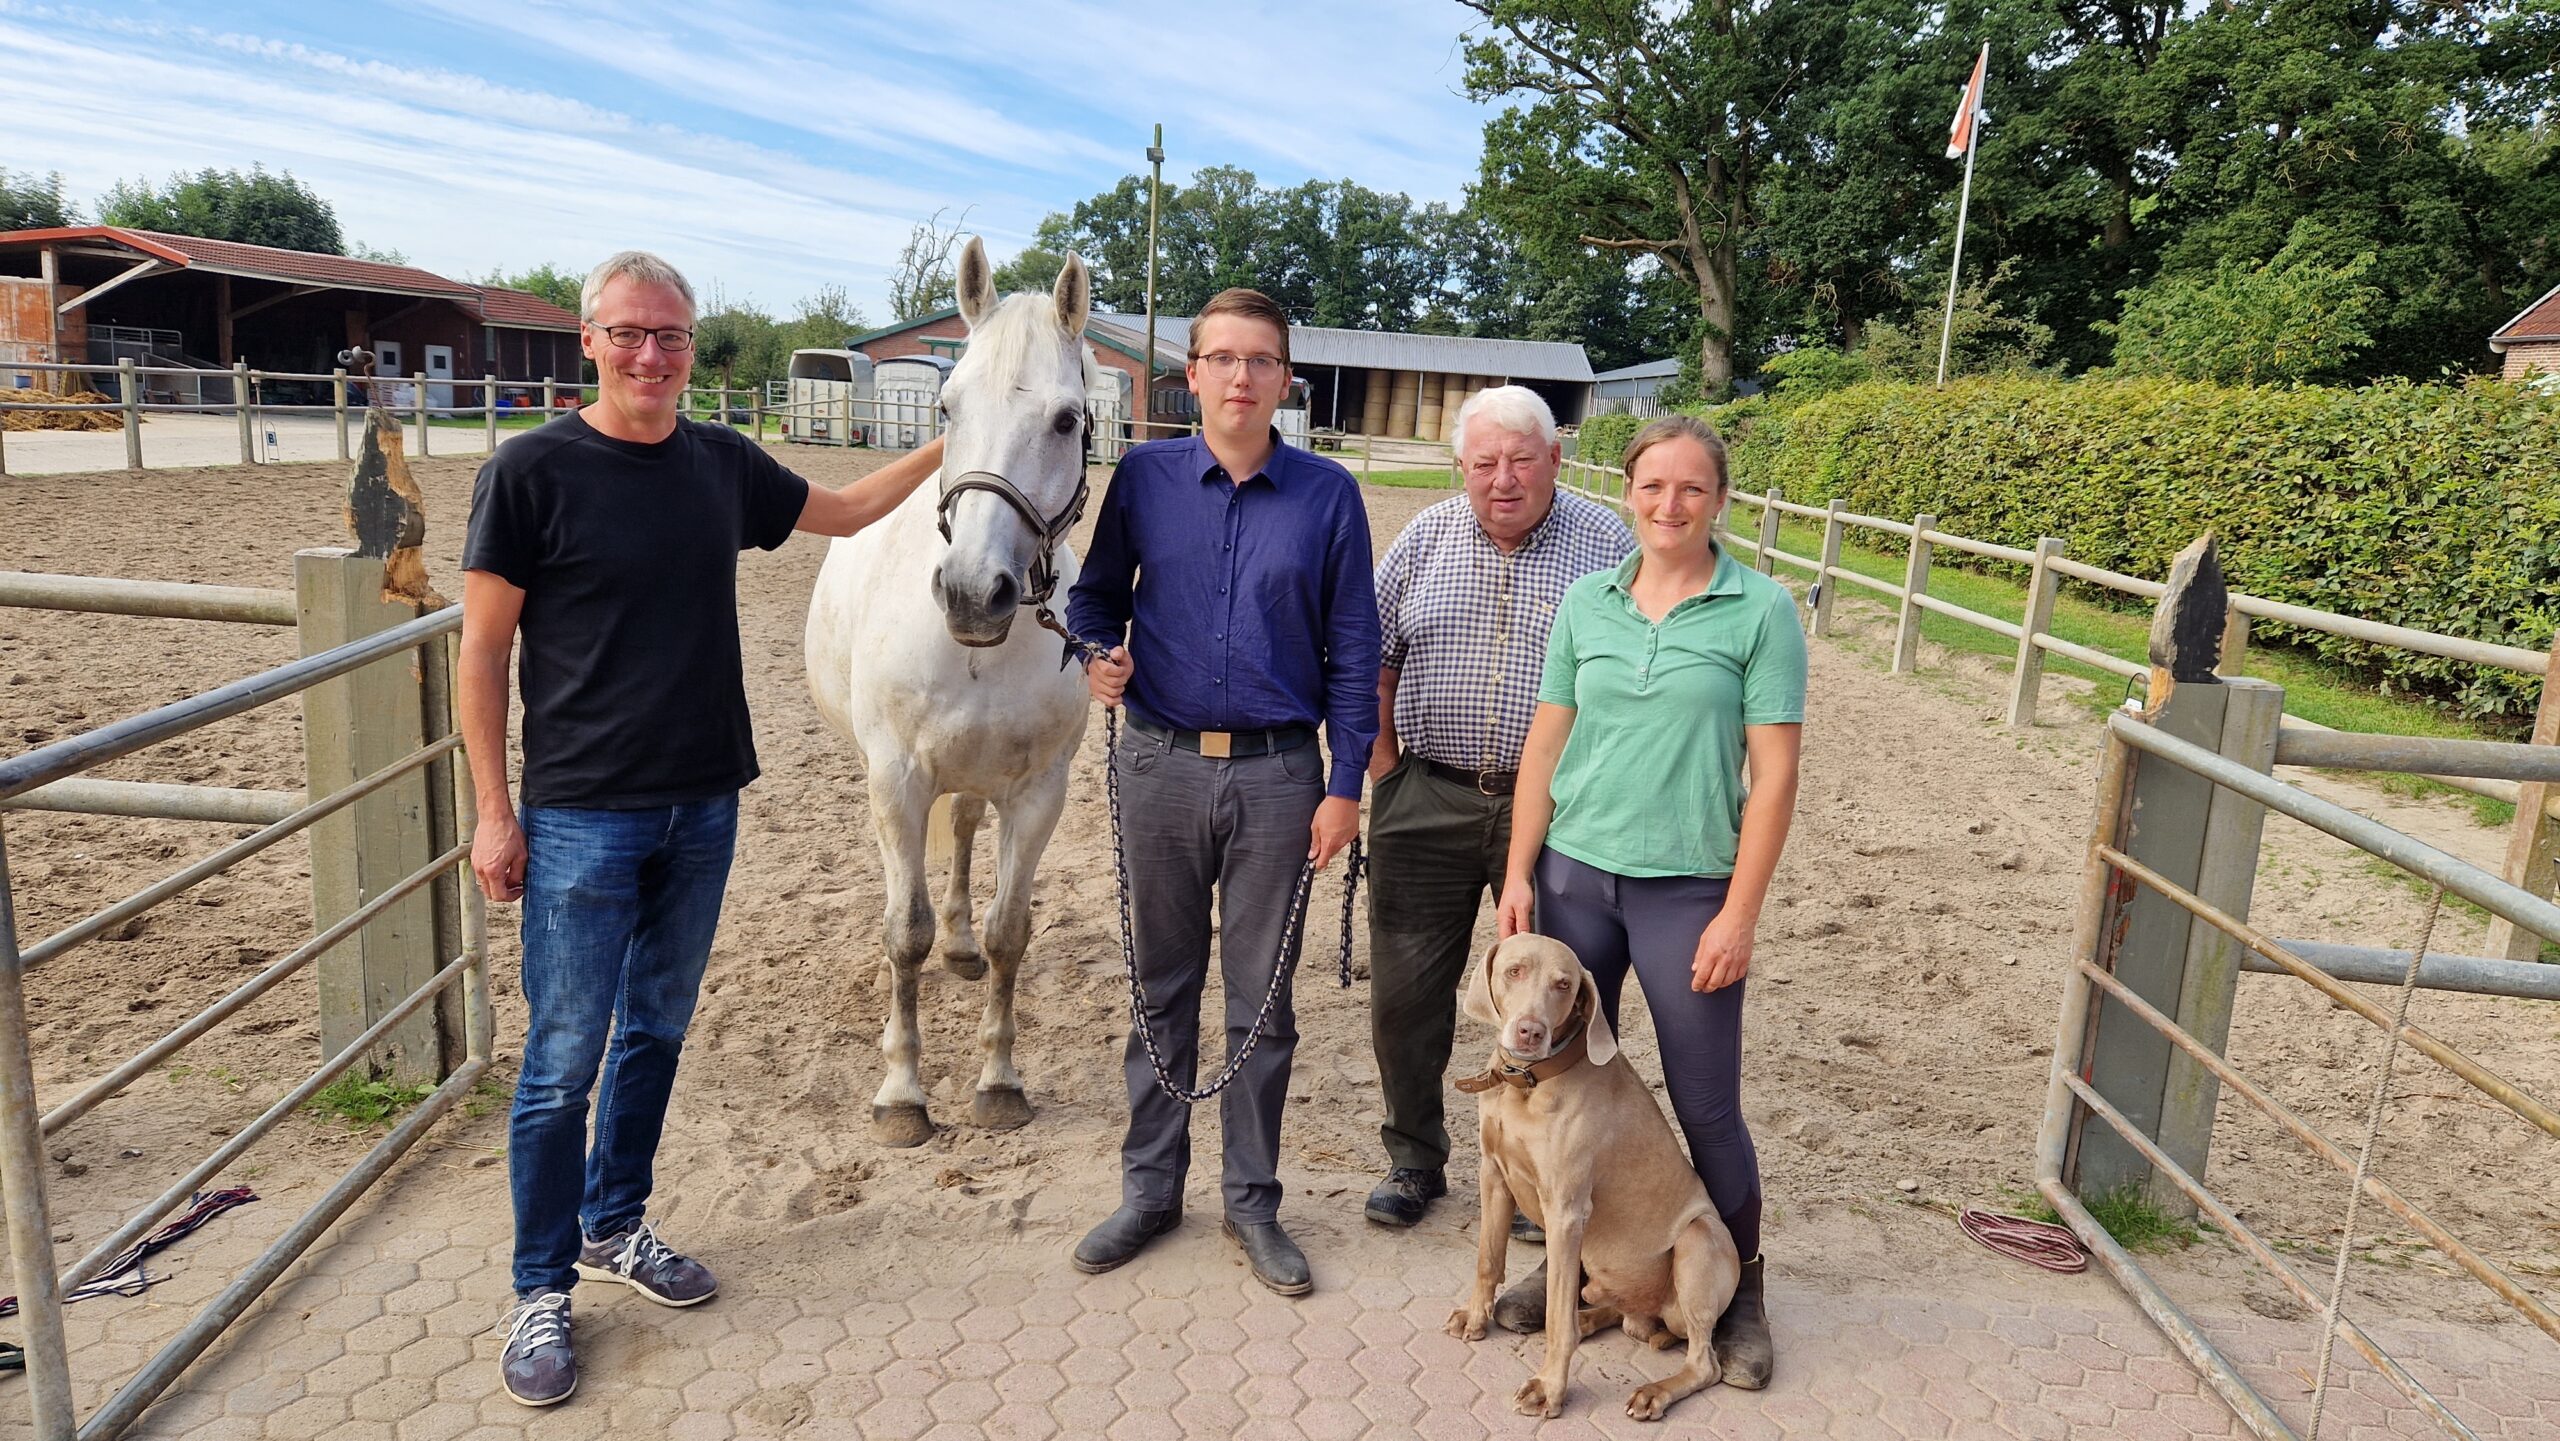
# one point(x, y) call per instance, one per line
point(1407, 1192)
point(1742, 1333)
point(1522, 1306)
point(1122, 1234)
point(1276, 1260)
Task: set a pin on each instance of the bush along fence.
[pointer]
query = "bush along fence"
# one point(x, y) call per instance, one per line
point(2533, 851)
point(2434, 508)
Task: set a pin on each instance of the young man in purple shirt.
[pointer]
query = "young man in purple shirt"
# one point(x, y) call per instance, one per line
point(1238, 570)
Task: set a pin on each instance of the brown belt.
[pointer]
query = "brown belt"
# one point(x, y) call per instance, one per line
point(1483, 783)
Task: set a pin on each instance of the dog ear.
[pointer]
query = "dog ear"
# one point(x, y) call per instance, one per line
point(1475, 994)
point(1602, 1043)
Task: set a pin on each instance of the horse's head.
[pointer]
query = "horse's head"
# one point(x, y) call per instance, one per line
point(1013, 465)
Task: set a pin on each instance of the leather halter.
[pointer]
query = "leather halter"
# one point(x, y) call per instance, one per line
point(1049, 530)
point(1501, 1070)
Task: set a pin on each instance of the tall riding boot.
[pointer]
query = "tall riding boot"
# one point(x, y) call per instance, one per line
point(1742, 1333)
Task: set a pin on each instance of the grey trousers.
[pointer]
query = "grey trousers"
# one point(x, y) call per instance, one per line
point(1435, 848)
point(1235, 830)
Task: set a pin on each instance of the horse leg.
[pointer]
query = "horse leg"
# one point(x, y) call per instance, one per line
point(1028, 819)
point(900, 801)
point(960, 953)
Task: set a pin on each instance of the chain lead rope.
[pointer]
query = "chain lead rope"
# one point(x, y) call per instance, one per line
point(1284, 965)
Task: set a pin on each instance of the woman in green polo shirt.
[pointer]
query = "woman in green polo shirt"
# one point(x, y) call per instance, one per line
point(1633, 839)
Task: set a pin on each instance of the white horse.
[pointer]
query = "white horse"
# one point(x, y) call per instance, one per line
point(915, 654)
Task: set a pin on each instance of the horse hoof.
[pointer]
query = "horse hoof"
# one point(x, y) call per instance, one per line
point(967, 965)
point(1000, 1110)
point(901, 1126)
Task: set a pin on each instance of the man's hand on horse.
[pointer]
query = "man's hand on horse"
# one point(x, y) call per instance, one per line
point(498, 857)
point(1337, 821)
point(1108, 676)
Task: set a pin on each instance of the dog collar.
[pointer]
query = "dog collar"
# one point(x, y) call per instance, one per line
point(1503, 1071)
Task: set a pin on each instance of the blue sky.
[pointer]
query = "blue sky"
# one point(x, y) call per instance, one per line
point(768, 148)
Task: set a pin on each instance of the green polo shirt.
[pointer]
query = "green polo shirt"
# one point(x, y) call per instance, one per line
point(1650, 783)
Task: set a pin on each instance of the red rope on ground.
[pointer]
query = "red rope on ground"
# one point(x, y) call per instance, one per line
point(2038, 1243)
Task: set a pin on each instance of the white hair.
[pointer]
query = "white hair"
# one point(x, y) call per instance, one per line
point(1515, 408)
point(636, 265)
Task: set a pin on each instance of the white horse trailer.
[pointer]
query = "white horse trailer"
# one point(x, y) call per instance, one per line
point(1107, 411)
point(830, 400)
point(908, 388)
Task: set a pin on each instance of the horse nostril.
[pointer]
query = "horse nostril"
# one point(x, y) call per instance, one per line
point(1003, 594)
point(939, 594)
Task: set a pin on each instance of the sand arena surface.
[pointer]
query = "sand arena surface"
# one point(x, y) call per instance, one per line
point(1901, 1013)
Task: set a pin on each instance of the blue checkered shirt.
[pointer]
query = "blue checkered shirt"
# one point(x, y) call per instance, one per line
point(1464, 623)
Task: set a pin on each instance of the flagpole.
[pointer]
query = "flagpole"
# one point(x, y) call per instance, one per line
point(1972, 135)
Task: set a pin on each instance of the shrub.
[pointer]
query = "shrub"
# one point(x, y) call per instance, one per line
point(1603, 438)
point(2295, 319)
point(2427, 506)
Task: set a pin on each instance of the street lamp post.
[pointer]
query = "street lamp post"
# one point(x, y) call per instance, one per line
point(1155, 184)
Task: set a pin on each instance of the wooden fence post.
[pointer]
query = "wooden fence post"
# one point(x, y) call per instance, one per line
point(1824, 582)
point(240, 408)
point(352, 727)
point(1768, 530)
point(2043, 581)
point(1915, 582)
point(2204, 837)
point(418, 393)
point(2533, 844)
point(489, 392)
point(338, 398)
point(129, 388)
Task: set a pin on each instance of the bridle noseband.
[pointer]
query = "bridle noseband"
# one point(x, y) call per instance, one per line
point(1049, 530)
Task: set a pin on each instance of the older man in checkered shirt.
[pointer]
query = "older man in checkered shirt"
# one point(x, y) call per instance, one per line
point(1465, 597)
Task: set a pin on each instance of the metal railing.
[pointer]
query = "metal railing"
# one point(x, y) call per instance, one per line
point(24, 1125)
point(2110, 881)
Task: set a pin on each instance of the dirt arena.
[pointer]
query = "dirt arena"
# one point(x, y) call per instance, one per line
point(1901, 1015)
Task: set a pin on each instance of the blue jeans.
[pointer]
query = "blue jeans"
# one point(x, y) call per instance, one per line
point(619, 909)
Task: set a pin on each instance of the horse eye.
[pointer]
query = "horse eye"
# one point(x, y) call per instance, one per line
point(1065, 422)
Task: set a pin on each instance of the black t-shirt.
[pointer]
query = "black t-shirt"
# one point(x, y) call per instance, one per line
point(634, 690)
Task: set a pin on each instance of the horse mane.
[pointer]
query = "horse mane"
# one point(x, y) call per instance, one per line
point(1021, 332)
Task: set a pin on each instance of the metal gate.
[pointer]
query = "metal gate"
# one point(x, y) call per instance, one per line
point(2098, 989)
point(23, 1127)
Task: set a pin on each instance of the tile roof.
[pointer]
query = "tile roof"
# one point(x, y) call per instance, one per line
point(262, 262)
point(2538, 321)
point(522, 310)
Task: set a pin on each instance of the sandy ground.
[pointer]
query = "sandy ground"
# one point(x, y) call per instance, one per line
point(1901, 1013)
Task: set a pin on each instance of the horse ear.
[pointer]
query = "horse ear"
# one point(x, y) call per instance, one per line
point(1074, 294)
point(976, 284)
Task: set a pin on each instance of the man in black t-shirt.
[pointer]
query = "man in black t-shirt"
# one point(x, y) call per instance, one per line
point(609, 538)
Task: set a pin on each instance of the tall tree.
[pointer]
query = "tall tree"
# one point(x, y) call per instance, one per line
point(1644, 132)
point(547, 280)
point(922, 281)
point(254, 208)
point(34, 202)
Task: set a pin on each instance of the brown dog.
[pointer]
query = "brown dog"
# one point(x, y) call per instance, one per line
point(1573, 1138)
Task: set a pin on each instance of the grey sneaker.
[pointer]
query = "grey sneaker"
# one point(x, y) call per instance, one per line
point(537, 1366)
point(638, 1259)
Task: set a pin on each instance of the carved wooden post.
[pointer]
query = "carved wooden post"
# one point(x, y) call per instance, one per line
point(2197, 835)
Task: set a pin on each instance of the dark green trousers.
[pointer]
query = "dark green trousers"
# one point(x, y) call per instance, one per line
point(1435, 849)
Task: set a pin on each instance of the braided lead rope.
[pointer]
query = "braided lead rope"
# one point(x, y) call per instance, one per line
point(2038, 1243)
point(2364, 1163)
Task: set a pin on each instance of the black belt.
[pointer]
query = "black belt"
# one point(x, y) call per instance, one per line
point(1484, 783)
point(1221, 745)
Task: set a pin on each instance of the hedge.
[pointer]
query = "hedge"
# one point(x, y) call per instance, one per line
point(2436, 507)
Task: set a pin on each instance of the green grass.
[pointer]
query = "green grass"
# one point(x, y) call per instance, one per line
point(2126, 1213)
point(507, 420)
point(2315, 689)
point(361, 1102)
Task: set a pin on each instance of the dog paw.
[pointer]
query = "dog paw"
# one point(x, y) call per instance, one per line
point(1649, 1402)
point(1535, 1398)
point(1466, 1323)
point(1664, 1339)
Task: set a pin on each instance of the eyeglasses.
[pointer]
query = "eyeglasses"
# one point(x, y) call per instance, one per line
point(628, 337)
point(1263, 367)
